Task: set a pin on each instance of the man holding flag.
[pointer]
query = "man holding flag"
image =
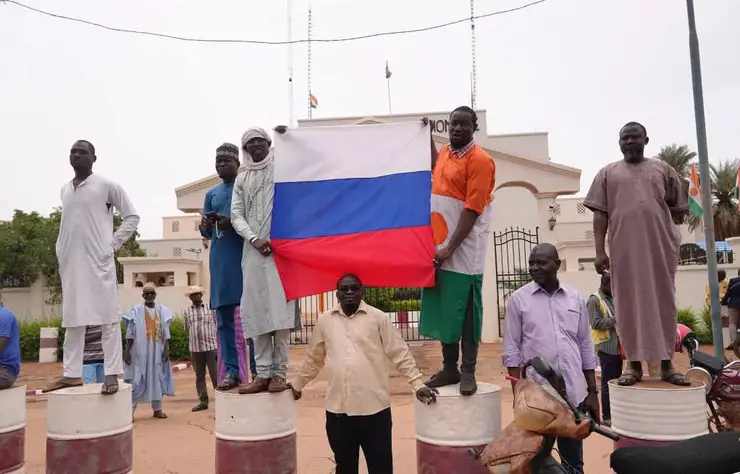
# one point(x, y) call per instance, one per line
point(452, 312)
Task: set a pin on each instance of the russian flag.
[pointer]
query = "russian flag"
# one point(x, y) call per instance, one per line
point(353, 199)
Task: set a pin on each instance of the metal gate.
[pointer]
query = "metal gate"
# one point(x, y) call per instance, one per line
point(511, 248)
point(402, 305)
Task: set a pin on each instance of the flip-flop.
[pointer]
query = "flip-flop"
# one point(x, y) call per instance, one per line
point(675, 378)
point(629, 377)
point(61, 383)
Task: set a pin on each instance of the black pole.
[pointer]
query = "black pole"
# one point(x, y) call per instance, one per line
point(706, 192)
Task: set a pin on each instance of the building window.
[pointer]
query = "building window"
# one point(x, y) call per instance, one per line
point(580, 208)
point(586, 264)
point(175, 226)
point(177, 252)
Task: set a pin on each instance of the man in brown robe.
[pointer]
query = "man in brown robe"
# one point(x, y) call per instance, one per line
point(638, 200)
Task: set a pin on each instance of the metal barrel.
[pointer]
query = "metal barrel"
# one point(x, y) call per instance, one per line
point(12, 429)
point(255, 432)
point(89, 433)
point(447, 429)
point(653, 412)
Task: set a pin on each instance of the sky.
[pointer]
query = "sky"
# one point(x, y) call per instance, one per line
point(157, 109)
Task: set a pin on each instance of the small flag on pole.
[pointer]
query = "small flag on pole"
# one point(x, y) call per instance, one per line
point(388, 72)
point(695, 193)
point(313, 101)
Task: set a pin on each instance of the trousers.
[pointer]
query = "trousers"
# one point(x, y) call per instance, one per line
point(271, 353)
point(74, 350)
point(451, 352)
point(202, 361)
point(611, 368)
point(226, 339)
point(347, 434)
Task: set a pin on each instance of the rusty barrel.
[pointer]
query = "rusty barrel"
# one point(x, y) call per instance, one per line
point(655, 413)
point(255, 434)
point(12, 429)
point(89, 433)
point(447, 430)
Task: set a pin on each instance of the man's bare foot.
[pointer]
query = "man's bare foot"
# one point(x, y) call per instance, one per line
point(110, 385)
point(63, 382)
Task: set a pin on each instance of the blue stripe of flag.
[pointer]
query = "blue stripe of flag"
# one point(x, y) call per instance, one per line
point(344, 206)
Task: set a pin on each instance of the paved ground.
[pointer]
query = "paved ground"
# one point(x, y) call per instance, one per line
point(184, 442)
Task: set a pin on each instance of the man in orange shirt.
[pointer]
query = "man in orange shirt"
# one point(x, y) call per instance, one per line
point(452, 312)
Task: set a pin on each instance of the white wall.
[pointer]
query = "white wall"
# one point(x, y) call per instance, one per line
point(691, 283)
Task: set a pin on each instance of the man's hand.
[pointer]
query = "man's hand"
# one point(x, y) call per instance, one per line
point(601, 263)
point(427, 395)
point(281, 129)
point(442, 254)
point(263, 246)
point(592, 405)
point(127, 355)
point(224, 223)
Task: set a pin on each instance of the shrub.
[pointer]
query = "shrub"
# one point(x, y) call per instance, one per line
point(179, 349)
point(688, 317)
point(405, 305)
point(381, 298)
point(30, 338)
point(704, 333)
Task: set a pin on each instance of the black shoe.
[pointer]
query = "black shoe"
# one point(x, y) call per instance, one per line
point(200, 406)
point(443, 377)
point(467, 384)
point(229, 382)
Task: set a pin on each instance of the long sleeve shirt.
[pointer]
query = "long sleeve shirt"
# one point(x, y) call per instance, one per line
point(356, 350)
point(555, 327)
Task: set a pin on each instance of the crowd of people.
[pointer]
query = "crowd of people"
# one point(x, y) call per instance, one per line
point(630, 317)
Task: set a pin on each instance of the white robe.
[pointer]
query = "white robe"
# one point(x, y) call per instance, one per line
point(85, 248)
point(264, 307)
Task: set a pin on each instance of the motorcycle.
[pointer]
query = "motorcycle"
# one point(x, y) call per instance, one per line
point(542, 413)
point(721, 380)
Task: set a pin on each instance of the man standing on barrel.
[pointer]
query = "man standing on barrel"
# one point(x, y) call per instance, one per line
point(639, 200)
point(452, 312)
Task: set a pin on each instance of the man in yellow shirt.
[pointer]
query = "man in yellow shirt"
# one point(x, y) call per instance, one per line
point(358, 340)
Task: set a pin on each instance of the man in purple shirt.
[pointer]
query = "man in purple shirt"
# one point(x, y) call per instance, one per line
point(547, 320)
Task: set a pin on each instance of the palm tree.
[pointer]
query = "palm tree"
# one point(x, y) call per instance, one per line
point(724, 207)
point(678, 157)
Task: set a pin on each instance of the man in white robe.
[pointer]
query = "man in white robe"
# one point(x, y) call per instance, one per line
point(85, 249)
point(266, 314)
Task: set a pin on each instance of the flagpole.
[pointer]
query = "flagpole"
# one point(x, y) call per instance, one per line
point(289, 8)
point(388, 84)
point(706, 193)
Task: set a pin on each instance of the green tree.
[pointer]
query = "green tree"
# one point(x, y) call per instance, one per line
point(724, 206)
point(679, 157)
point(130, 248)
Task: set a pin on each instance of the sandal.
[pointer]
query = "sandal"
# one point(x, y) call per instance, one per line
point(63, 382)
point(675, 378)
point(629, 377)
point(110, 386)
point(159, 414)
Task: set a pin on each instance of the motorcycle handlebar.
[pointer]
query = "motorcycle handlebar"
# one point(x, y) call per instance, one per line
point(604, 431)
